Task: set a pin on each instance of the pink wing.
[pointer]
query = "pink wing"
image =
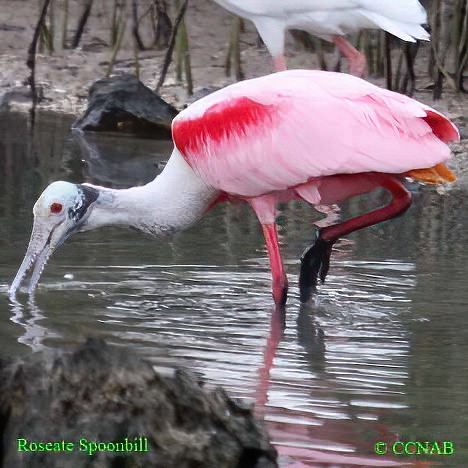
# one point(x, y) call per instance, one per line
point(281, 130)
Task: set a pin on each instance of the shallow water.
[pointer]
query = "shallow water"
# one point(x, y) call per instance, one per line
point(381, 356)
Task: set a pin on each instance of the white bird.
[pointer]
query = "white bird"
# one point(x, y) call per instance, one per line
point(330, 20)
point(317, 136)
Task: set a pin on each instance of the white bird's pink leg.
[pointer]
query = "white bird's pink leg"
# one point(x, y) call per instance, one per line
point(357, 61)
point(279, 63)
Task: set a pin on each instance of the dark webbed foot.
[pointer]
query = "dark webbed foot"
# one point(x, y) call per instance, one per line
point(315, 262)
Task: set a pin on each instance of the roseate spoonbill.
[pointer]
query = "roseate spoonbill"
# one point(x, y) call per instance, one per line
point(330, 20)
point(318, 136)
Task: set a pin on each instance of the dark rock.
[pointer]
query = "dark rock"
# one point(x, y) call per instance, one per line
point(201, 93)
point(125, 104)
point(103, 393)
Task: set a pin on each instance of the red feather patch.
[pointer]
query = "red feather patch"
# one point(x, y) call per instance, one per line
point(220, 122)
point(441, 127)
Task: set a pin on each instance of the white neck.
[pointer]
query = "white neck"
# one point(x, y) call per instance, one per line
point(173, 201)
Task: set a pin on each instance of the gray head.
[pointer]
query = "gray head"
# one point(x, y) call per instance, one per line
point(61, 210)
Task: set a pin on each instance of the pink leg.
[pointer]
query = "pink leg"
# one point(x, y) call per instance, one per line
point(357, 61)
point(401, 201)
point(279, 63)
point(279, 279)
point(265, 209)
point(277, 325)
point(315, 260)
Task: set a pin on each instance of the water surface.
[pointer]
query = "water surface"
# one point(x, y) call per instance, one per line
point(381, 356)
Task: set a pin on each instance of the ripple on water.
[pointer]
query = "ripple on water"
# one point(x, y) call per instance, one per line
point(215, 320)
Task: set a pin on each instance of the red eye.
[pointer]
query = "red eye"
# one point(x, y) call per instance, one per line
point(56, 208)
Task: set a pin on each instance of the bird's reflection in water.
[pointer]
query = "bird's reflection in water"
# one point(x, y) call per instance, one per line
point(277, 327)
point(311, 337)
point(29, 318)
point(315, 441)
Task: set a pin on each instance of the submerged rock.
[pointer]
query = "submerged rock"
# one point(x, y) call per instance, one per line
point(101, 406)
point(125, 104)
